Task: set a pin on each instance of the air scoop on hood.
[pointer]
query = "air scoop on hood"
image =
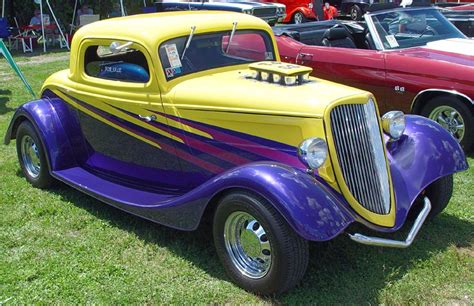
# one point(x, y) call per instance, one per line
point(280, 73)
point(453, 45)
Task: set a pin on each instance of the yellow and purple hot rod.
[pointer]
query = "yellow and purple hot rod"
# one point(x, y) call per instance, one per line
point(184, 115)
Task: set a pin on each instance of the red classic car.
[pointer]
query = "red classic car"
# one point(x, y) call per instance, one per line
point(297, 11)
point(412, 59)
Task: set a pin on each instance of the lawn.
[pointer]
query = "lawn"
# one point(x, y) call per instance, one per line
point(60, 246)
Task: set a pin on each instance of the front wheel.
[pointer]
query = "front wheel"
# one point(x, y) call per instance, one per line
point(259, 250)
point(454, 116)
point(299, 18)
point(32, 156)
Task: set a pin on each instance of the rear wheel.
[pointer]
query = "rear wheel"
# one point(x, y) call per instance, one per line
point(32, 156)
point(454, 116)
point(355, 12)
point(299, 18)
point(259, 250)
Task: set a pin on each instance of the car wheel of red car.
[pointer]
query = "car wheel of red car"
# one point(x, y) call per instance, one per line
point(298, 18)
point(259, 250)
point(355, 12)
point(454, 116)
point(32, 156)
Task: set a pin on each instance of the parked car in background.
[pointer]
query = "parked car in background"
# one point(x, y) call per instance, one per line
point(194, 117)
point(297, 11)
point(272, 13)
point(412, 59)
point(462, 16)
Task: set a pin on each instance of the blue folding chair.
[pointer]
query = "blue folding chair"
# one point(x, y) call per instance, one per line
point(4, 29)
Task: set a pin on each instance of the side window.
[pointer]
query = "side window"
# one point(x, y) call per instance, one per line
point(128, 65)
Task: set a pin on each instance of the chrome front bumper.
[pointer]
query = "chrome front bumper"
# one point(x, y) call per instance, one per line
point(395, 243)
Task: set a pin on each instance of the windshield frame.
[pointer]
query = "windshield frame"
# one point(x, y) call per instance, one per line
point(266, 36)
point(376, 35)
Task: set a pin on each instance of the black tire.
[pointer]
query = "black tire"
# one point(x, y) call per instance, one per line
point(289, 252)
point(431, 108)
point(26, 134)
point(355, 12)
point(298, 18)
point(439, 193)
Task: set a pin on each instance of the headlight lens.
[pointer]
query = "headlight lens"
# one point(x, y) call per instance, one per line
point(393, 124)
point(313, 152)
point(247, 11)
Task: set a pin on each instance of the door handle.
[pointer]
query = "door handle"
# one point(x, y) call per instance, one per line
point(147, 118)
point(303, 56)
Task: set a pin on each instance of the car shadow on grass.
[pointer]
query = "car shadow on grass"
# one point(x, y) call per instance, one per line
point(340, 271)
point(4, 100)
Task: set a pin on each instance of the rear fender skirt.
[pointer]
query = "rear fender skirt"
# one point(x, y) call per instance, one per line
point(45, 114)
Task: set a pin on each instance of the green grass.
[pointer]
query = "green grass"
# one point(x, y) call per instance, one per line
point(60, 246)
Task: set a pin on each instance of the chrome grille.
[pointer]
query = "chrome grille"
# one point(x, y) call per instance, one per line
point(264, 12)
point(360, 151)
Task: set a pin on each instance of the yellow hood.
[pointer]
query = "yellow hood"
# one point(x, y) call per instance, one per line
point(232, 91)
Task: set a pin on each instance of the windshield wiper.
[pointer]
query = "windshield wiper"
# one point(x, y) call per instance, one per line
point(188, 42)
point(234, 27)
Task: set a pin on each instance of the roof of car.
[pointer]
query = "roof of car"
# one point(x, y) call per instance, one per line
point(152, 28)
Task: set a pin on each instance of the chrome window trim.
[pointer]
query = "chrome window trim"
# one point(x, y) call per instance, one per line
point(376, 38)
point(450, 91)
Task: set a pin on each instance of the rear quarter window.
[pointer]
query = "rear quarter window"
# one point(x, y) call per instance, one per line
point(129, 65)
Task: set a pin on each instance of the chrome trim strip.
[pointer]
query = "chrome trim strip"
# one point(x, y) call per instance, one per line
point(376, 38)
point(450, 91)
point(376, 241)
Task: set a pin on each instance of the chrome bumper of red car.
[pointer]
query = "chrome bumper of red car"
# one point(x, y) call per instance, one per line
point(395, 243)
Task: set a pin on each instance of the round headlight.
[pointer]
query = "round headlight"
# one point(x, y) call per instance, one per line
point(393, 124)
point(313, 152)
point(247, 11)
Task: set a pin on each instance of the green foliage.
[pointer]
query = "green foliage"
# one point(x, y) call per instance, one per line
point(60, 246)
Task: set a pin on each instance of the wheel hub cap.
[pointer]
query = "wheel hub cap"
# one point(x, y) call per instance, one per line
point(298, 18)
point(450, 119)
point(30, 156)
point(247, 244)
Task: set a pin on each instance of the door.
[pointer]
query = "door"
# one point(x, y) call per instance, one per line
point(364, 69)
point(122, 120)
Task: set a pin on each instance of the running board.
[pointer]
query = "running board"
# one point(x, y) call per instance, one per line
point(107, 191)
point(368, 240)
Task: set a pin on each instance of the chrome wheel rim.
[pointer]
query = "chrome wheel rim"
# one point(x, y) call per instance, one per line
point(30, 156)
point(449, 118)
point(298, 18)
point(247, 245)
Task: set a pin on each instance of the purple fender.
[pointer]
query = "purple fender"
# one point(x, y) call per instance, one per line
point(44, 114)
point(425, 153)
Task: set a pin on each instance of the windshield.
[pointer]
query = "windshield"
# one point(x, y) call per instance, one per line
point(212, 50)
point(412, 28)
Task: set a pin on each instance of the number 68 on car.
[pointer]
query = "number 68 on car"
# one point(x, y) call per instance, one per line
point(194, 116)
